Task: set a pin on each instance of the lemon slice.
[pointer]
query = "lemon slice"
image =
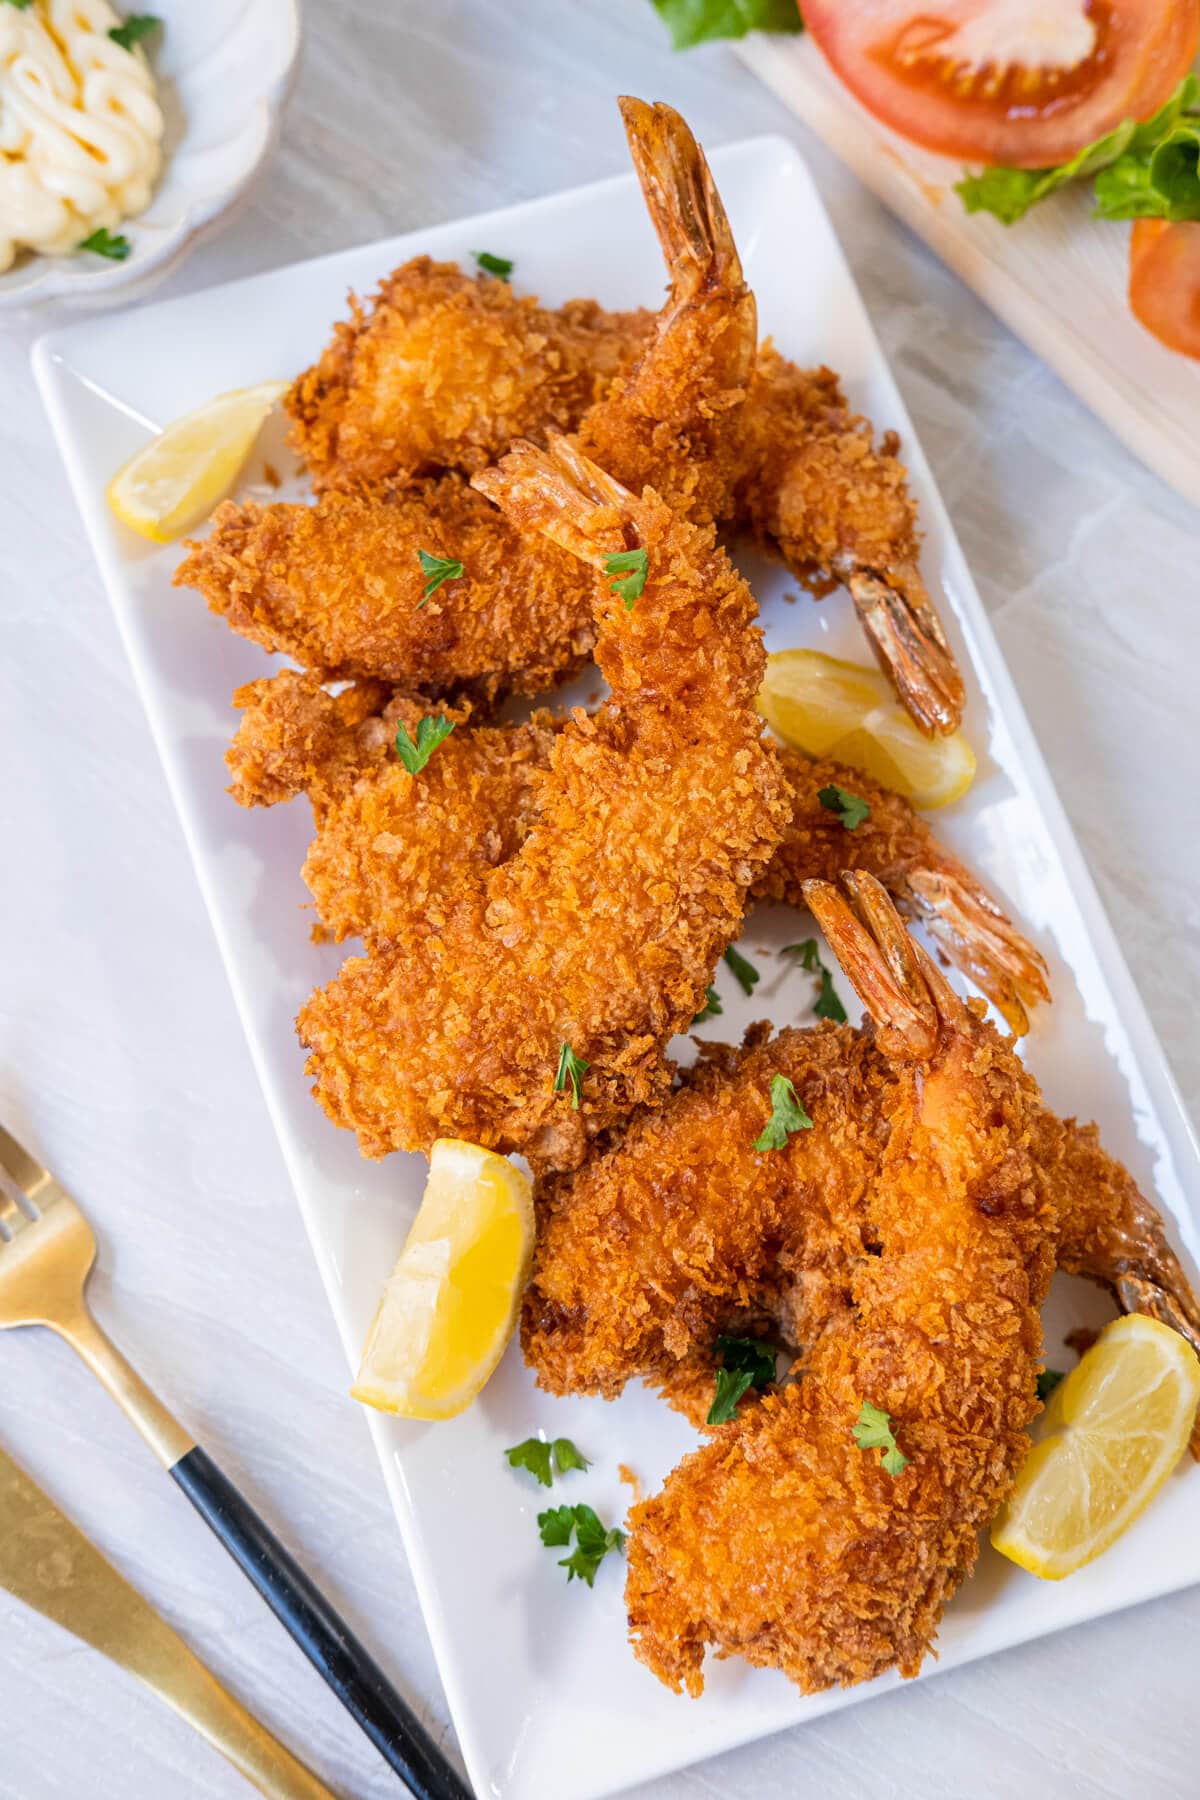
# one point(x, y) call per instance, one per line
point(451, 1303)
point(828, 708)
point(1114, 1430)
point(176, 479)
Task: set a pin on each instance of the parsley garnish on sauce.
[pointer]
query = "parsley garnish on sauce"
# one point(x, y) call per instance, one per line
point(593, 1540)
point(634, 565)
point(1047, 1381)
point(787, 1115)
point(536, 1455)
point(873, 1431)
point(133, 29)
point(745, 970)
point(430, 733)
point(436, 569)
point(102, 242)
point(827, 1005)
point(494, 265)
point(712, 1006)
point(570, 1070)
point(745, 1363)
point(849, 807)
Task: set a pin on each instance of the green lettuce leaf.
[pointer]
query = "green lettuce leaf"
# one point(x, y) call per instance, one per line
point(701, 21)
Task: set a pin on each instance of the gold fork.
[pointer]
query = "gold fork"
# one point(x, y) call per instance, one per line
point(46, 1254)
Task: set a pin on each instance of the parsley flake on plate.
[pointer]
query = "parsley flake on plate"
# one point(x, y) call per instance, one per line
point(436, 569)
point(827, 1005)
point(430, 733)
point(634, 565)
point(787, 1115)
point(570, 1071)
point(103, 242)
point(873, 1431)
point(593, 1540)
point(711, 1008)
point(850, 808)
point(745, 1363)
point(744, 969)
point(538, 1456)
point(1047, 1381)
point(500, 266)
point(132, 30)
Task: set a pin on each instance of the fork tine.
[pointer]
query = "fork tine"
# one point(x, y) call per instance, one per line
point(30, 1177)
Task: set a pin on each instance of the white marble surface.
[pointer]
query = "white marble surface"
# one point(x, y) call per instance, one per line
point(121, 1058)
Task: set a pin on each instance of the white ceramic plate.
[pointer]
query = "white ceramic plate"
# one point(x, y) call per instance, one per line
point(546, 1695)
point(1057, 279)
point(223, 72)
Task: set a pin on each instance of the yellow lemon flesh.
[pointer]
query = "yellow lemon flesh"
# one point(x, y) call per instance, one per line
point(829, 708)
point(1113, 1431)
point(176, 479)
point(451, 1303)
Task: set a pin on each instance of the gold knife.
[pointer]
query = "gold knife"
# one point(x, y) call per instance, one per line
point(49, 1564)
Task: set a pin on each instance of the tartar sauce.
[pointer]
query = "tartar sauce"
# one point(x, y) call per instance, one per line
point(80, 127)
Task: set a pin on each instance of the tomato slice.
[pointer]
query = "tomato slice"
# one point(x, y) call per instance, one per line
point(1164, 281)
point(1022, 82)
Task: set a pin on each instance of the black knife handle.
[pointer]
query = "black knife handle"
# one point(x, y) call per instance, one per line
point(327, 1641)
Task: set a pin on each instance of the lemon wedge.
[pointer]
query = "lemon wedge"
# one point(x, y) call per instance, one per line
point(176, 479)
point(829, 708)
point(451, 1303)
point(1113, 1431)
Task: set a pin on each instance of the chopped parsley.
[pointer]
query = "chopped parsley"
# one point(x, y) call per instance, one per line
point(873, 1431)
point(827, 1005)
point(787, 1115)
point(132, 30)
point(1047, 1381)
point(593, 1540)
point(537, 1456)
point(500, 266)
point(745, 1363)
point(711, 1008)
point(849, 807)
point(430, 733)
point(436, 569)
point(570, 1070)
point(747, 974)
point(103, 242)
point(634, 565)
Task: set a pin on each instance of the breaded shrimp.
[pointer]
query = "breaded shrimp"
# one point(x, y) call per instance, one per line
point(594, 943)
point(781, 1540)
point(445, 370)
point(340, 587)
point(296, 738)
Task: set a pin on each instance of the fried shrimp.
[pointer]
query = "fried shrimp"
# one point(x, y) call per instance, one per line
point(444, 370)
point(587, 949)
point(340, 586)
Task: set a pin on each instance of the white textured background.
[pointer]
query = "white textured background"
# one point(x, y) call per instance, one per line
point(122, 1062)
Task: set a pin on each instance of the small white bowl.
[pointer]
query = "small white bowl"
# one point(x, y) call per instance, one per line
point(223, 71)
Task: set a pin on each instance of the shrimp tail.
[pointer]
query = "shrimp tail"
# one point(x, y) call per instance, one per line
point(906, 636)
point(980, 939)
point(906, 995)
point(684, 206)
point(560, 493)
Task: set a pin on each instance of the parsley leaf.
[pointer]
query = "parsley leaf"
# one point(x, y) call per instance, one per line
point(436, 569)
point(593, 1540)
point(745, 1363)
point(787, 1115)
point(873, 1431)
point(570, 1069)
point(495, 265)
point(827, 1005)
point(1047, 1381)
point(711, 1008)
point(850, 808)
point(634, 565)
point(535, 1455)
point(747, 974)
point(133, 29)
point(430, 733)
point(21, 5)
point(701, 21)
point(104, 243)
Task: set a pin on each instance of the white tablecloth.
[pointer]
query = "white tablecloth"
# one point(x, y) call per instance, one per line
point(121, 1058)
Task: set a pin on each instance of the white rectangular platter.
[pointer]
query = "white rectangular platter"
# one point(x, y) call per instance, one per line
point(545, 1693)
point(1058, 279)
